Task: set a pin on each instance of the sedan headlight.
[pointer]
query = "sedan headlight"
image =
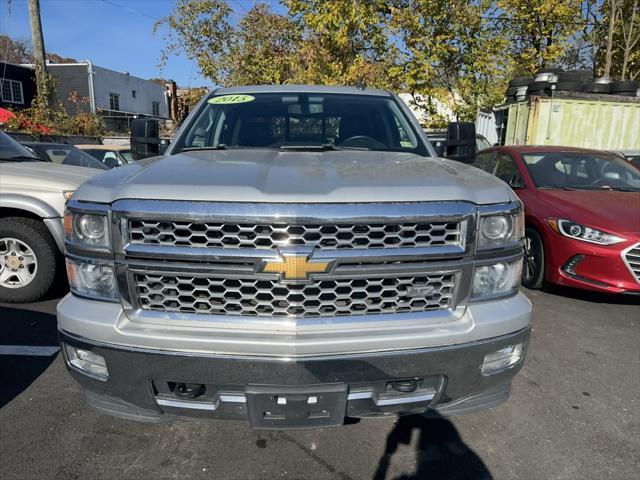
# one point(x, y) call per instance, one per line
point(499, 278)
point(89, 229)
point(581, 232)
point(92, 280)
point(501, 229)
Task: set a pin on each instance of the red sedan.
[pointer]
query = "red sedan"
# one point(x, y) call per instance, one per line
point(582, 215)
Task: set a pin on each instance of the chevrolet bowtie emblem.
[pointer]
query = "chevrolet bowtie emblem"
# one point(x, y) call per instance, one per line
point(294, 267)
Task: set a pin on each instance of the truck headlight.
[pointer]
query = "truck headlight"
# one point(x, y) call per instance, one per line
point(502, 229)
point(88, 229)
point(92, 280)
point(581, 232)
point(496, 279)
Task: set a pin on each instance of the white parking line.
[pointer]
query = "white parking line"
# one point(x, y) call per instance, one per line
point(28, 350)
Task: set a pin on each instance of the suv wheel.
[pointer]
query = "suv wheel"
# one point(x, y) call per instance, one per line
point(533, 265)
point(28, 258)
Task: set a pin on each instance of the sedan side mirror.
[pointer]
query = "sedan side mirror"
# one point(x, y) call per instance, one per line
point(145, 139)
point(461, 141)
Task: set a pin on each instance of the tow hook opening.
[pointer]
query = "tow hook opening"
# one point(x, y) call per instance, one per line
point(187, 390)
point(404, 386)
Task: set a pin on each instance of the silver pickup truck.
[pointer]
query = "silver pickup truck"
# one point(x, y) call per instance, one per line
point(296, 257)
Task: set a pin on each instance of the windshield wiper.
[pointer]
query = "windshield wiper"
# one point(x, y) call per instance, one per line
point(558, 187)
point(21, 158)
point(620, 189)
point(219, 146)
point(320, 148)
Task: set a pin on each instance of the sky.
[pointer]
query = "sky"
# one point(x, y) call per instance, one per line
point(114, 34)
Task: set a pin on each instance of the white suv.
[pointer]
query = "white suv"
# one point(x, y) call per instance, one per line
point(33, 193)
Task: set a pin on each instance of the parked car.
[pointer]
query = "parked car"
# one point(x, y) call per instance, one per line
point(33, 193)
point(111, 155)
point(438, 139)
point(298, 255)
point(582, 212)
point(64, 154)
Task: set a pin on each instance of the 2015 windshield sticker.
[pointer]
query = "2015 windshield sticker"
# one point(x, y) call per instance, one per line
point(231, 99)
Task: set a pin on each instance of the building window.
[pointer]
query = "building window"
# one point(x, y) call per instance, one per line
point(114, 101)
point(133, 93)
point(155, 109)
point(12, 91)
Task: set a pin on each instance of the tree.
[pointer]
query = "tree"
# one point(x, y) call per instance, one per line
point(345, 42)
point(627, 39)
point(451, 51)
point(17, 51)
point(618, 39)
point(263, 49)
point(55, 58)
point(538, 31)
point(259, 49)
point(200, 29)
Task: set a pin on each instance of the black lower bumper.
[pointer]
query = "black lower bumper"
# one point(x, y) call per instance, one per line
point(148, 385)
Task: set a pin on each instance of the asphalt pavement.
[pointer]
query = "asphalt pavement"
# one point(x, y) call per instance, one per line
point(573, 414)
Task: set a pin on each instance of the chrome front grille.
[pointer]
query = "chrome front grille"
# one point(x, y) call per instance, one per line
point(189, 294)
point(632, 259)
point(338, 236)
point(199, 259)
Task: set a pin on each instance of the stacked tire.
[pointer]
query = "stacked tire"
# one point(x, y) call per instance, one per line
point(518, 89)
point(574, 80)
point(549, 79)
point(625, 88)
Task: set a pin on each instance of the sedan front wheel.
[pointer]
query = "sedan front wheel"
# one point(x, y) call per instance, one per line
point(533, 264)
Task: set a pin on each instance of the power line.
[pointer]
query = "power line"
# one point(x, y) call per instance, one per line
point(129, 9)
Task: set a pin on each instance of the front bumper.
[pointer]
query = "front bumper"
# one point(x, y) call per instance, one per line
point(141, 383)
point(597, 267)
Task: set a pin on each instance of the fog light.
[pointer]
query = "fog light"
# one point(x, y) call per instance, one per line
point(87, 362)
point(501, 359)
point(570, 266)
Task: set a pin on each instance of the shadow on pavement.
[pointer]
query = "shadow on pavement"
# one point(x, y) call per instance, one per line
point(29, 328)
point(440, 451)
point(589, 296)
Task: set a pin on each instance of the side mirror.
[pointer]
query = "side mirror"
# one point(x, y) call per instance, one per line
point(164, 144)
point(145, 140)
point(461, 141)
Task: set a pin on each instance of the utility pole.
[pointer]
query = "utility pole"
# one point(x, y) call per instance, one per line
point(39, 58)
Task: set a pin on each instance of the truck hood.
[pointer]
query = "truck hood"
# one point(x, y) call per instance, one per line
point(296, 177)
point(612, 211)
point(43, 175)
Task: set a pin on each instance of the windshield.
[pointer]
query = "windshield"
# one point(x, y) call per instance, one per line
point(301, 121)
point(110, 158)
point(12, 150)
point(67, 155)
point(581, 171)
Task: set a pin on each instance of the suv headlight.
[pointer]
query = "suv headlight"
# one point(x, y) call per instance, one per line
point(581, 232)
point(87, 229)
point(497, 230)
point(496, 279)
point(91, 279)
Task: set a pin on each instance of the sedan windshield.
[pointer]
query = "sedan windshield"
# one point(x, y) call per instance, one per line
point(581, 171)
point(111, 158)
point(67, 155)
point(10, 150)
point(301, 121)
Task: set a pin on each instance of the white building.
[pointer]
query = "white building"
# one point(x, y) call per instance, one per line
point(116, 96)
